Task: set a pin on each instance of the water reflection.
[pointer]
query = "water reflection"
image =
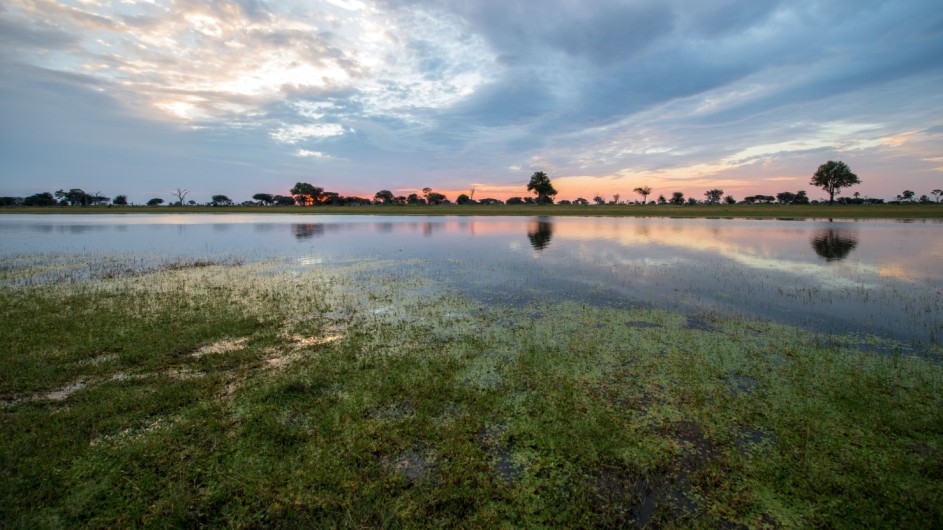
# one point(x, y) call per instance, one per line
point(307, 230)
point(834, 244)
point(540, 232)
point(887, 284)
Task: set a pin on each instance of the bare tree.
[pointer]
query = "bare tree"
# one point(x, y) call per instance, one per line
point(181, 195)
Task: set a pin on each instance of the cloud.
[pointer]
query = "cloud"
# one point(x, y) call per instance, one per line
point(455, 92)
point(297, 133)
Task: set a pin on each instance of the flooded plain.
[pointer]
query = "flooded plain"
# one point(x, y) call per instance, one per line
point(873, 279)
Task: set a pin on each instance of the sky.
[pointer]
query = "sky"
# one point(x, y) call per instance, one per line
point(141, 97)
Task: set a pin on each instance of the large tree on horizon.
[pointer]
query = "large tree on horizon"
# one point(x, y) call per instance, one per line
point(644, 191)
point(832, 177)
point(306, 194)
point(540, 184)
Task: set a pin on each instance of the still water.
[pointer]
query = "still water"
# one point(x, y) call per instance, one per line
point(881, 278)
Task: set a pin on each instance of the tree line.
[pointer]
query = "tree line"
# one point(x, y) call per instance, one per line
point(831, 177)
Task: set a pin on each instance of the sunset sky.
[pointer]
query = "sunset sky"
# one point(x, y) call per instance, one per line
point(241, 97)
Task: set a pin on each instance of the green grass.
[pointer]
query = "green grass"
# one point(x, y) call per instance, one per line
point(763, 211)
point(239, 395)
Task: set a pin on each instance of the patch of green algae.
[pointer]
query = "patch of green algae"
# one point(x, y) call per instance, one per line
point(367, 395)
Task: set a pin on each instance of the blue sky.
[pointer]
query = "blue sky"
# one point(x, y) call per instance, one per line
point(240, 97)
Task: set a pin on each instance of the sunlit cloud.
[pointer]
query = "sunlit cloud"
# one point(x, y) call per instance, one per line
point(304, 153)
point(296, 133)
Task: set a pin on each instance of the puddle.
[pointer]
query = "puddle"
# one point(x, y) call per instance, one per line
point(413, 464)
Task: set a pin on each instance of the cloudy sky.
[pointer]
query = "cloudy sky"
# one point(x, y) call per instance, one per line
point(143, 96)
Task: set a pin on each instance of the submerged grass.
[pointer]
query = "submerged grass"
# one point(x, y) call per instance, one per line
point(245, 395)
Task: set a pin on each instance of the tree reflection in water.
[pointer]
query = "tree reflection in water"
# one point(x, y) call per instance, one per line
point(540, 233)
point(834, 244)
point(308, 230)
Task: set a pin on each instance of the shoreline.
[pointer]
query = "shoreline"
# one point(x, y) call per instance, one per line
point(737, 211)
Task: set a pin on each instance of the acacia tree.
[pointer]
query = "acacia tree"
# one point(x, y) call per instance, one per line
point(221, 200)
point(540, 184)
point(713, 196)
point(937, 194)
point(644, 191)
point(436, 198)
point(265, 199)
point(677, 198)
point(832, 177)
point(281, 200)
point(384, 196)
point(305, 194)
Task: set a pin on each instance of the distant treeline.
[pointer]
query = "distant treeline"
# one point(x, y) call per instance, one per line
point(306, 194)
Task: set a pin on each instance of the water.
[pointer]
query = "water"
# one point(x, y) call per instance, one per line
point(880, 278)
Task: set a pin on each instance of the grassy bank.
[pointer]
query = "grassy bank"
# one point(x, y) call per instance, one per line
point(247, 395)
point(762, 211)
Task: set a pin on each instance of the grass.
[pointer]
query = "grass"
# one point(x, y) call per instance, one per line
point(248, 396)
point(762, 211)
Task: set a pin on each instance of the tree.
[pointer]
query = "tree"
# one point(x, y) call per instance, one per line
point(281, 200)
point(305, 194)
point(11, 201)
point(540, 184)
point(714, 195)
point(644, 191)
point(832, 177)
point(264, 199)
point(384, 196)
point(156, 201)
point(615, 198)
point(599, 200)
point(730, 200)
point(540, 233)
point(514, 201)
point(834, 245)
point(221, 200)
point(677, 198)
point(662, 199)
point(436, 198)
point(74, 197)
point(181, 195)
point(40, 199)
point(463, 199)
point(581, 201)
point(937, 194)
point(907, 195)
point(120, 200)
point(692, 201)
point(801, 198)
point(415, 199)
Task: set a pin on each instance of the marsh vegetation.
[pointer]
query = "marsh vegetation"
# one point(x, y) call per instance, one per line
point(313, 389)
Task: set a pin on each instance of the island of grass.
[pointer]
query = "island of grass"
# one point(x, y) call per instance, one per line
point(248, 395)
point(756, 211)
